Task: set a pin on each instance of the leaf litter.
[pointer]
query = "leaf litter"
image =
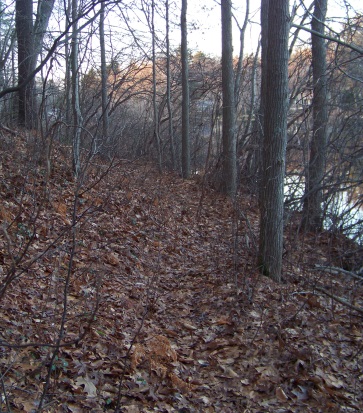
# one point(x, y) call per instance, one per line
point(155, 280)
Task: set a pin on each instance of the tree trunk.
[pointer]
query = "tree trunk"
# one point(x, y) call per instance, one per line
point(44, 11)
point(313, 199)
point(68, 74)
point(274, 142)
point(105, 137)
point(8, 34)
point(77, 117)
point(168, 88)
point(228, 128)
point(185, 92)
point(30, 42)
point(261, 111)
point(155, 110)
point(24, 31)
point(239, 69)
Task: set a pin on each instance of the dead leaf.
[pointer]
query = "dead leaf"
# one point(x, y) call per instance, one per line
point(281, 395)
point(112, 259)
point(131, 409)
point(27, 406)
point(301, 394)
point(88, 388)
point(74, 409)
point(229, 372)
point(188, 326)
point(61, 208)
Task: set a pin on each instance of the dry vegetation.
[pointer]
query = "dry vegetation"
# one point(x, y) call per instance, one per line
point(142, 291)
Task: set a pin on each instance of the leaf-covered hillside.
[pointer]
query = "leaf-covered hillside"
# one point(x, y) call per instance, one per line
point(132, 291)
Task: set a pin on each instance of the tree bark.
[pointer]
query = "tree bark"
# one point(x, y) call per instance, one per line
point(30, 42)
point(261, 111)
point(77, 117)
point(313, 199)
point(105, 137)
point(24, 31)
point(229, 178)
point(8, 34)
point(239, 69)
point(168, 87)
point(155, 110)
point(44, 11)
point(185, 92)
point(274, 141)
point(68, 74)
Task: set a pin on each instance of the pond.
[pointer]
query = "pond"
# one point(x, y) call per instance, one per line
point(343, 210)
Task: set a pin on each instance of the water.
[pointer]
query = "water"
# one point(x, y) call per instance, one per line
point(343, 210)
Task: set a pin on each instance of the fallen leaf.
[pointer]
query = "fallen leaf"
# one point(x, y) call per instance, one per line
point(281, 395)
point(112, 259)
point(74, 409)
point(89, 387)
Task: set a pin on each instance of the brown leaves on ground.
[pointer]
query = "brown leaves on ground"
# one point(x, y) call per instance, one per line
point(157, 290)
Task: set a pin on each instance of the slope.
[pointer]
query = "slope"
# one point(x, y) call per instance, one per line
point(137, 291)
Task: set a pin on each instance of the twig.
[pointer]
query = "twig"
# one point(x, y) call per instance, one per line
point(5, 395)
point(119, 394)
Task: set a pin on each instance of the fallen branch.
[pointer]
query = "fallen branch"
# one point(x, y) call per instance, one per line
point(8, 130)
point(337, 270)
point(340, 300)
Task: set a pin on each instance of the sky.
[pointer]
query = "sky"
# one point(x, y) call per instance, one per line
point(204, 28)
point(205, 16)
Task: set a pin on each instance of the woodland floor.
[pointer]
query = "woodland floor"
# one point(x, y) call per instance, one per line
point(154, 280)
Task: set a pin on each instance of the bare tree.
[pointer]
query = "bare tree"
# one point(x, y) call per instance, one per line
point(30, 41)
point(67, 52)
point(168, 86)
point(185, 92)
point(239, 68)
point(313, 212)
point(155, 108)
point(24, 30)
point(77, 116)
point(104, 76)
point(229, 134)
point(263, 94)
point(8, 37)
point(274, 142)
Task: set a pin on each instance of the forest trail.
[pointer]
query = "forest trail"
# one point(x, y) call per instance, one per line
point(157, 277)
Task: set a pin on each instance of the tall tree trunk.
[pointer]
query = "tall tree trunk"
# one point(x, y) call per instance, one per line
point(185, 92)
point(68, 75)
point(77, 117)
point(239, 69)
point(274, 143)
point(313, 213)
point(252, 111)
point(168, 87)
point(24, 31)
point(6, 44)
point(254, 156)
point(30, 42)
point(105, 137)
point(228, 128)
point(44, 11)
point(263, 94)
point(155, 109)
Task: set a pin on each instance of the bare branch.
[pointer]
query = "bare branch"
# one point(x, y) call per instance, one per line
point(327, 37)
